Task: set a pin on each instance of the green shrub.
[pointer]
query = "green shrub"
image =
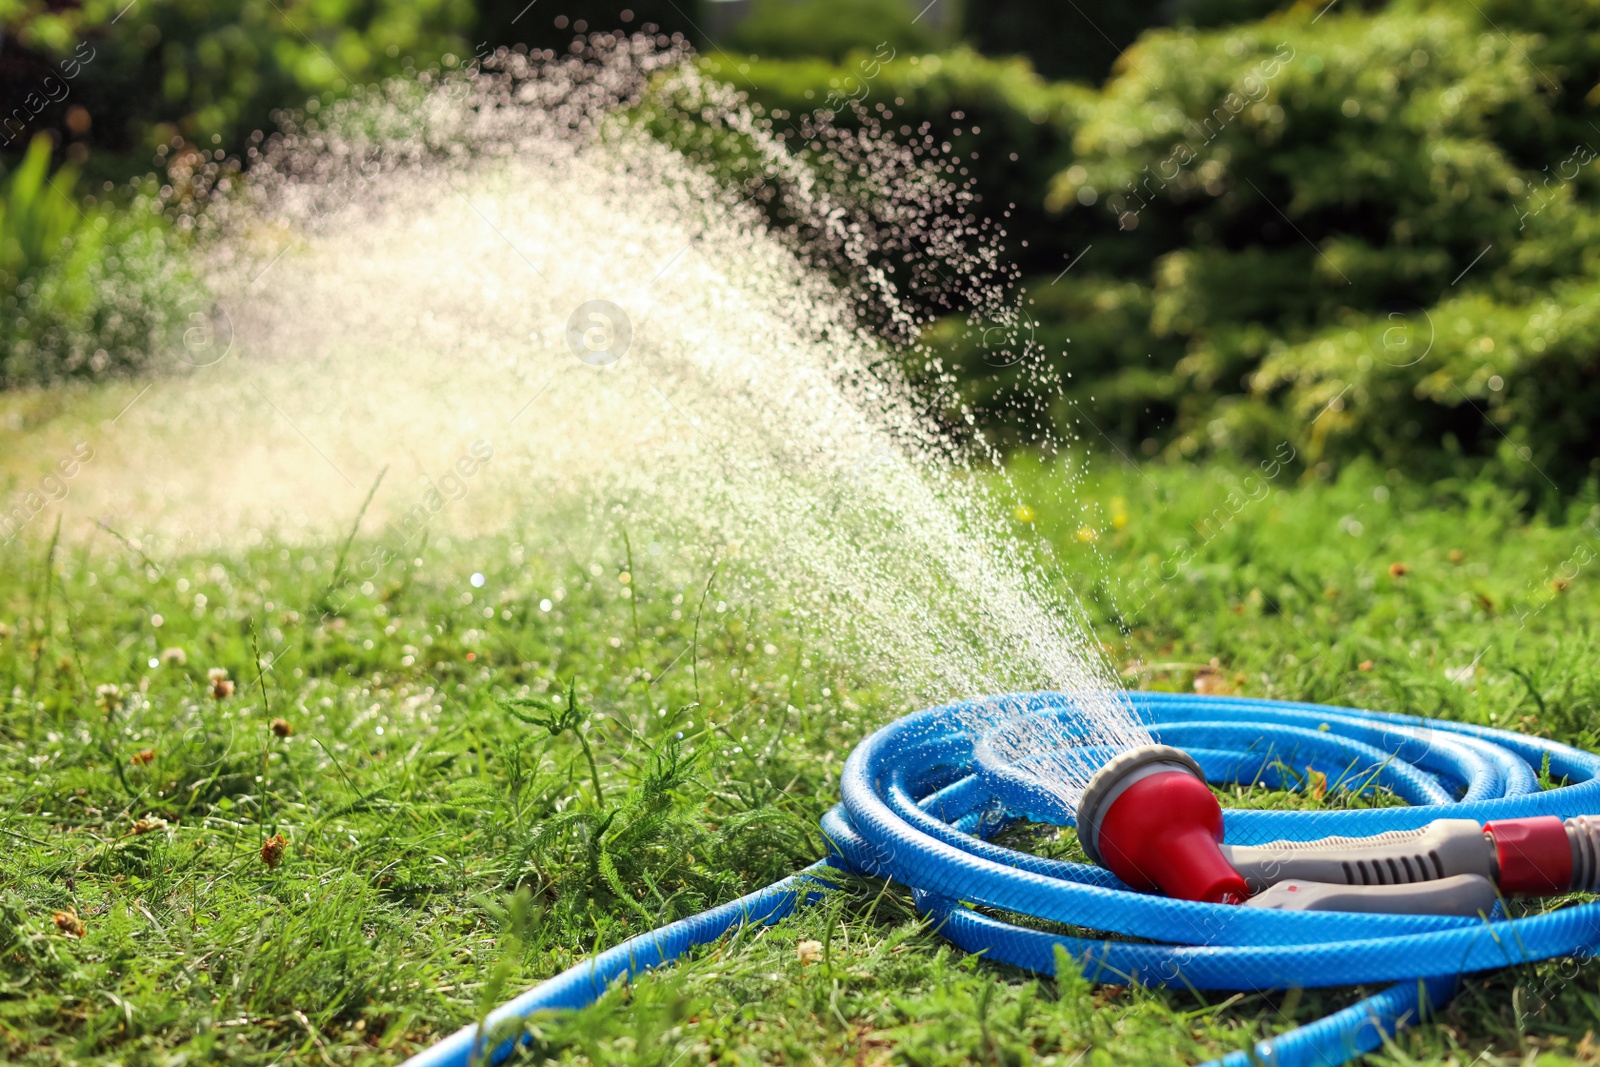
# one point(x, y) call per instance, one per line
point(89, 291)
point(1368, 233)
point(1516, 381)
point(212, 72)
point(831, 29)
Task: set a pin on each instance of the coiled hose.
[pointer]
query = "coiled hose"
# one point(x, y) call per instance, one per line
point(921, 795)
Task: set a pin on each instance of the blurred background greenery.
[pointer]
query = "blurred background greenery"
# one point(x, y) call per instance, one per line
point(1361, 228)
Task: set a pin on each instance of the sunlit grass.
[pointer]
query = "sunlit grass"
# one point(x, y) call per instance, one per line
point(415, 806)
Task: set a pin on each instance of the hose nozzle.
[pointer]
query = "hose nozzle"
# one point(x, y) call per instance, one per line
point(1148, 817)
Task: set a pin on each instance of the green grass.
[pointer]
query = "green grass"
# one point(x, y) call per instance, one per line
point(442, 852)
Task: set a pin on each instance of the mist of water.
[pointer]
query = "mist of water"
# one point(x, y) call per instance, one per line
point(516, 256)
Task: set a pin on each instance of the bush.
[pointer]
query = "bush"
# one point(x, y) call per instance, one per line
point(1083, 41)
point(213, 72)
point(831, 29)
point(1004, 129)
point(89, 291)
point(1365, 234)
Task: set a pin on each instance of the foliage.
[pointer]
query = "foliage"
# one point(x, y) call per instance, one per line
point(512, 22)
point(89, 291)
point(1077, 42)
point(831, 29)
point(461, 854)
point(1009, 127)
point(211, 73)
point(1011, 124)
point(1365, 233)
point(1021, 108)
point(1084, 42)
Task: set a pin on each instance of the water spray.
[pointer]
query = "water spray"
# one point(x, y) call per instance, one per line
point(1233, 899)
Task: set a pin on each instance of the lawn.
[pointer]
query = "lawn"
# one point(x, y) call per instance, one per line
point(258, 809)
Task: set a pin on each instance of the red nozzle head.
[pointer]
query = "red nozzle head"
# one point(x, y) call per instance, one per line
point(1149, 818)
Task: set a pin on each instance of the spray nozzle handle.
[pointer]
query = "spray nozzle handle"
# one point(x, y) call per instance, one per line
point(1149, 817)
point(1522, 857)
point(1443, 848)
point(1459, 894)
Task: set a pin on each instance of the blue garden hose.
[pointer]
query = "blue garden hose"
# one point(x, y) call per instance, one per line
point(920, 796)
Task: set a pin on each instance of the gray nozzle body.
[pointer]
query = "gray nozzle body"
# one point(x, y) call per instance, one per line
point(1459, 894)
point(1442, 849)
point(1449, 867)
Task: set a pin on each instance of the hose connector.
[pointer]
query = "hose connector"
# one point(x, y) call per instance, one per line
point(1583, 832)
point(1533, 855)
point(1542, 856)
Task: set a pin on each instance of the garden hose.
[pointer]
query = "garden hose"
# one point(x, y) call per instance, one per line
point(921, 796)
